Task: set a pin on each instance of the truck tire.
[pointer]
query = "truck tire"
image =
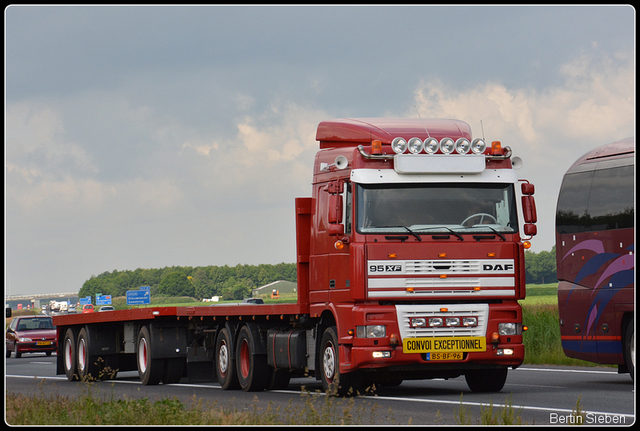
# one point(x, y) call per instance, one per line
point(225, 364)
point(333, 382)
point(252, 367)
point(150, 369)
point(630, 349)
point(69, 355)
point(86, 364)
point(486, 380)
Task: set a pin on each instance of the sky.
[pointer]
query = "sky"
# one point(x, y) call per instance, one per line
point(154, 136)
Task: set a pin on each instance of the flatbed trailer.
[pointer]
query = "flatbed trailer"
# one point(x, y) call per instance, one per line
point(410, 265)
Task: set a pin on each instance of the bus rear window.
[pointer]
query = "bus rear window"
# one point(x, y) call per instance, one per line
point(596, 200)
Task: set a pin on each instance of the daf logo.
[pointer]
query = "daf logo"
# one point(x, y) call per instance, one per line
point(498, 267)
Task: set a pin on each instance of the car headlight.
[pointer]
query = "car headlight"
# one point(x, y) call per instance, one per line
point(371, 331)
point(507, 328)
point(24, 339)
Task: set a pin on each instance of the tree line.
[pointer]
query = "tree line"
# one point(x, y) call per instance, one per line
point(199, 282)
point(541, 267)
point(237, 282)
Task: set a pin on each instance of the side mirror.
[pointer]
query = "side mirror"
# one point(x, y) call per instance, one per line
point(335, 209)
point(530, 229)
point(529, 209)
point(528, 189)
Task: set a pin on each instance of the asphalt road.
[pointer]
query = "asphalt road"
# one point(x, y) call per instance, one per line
point(543, 395)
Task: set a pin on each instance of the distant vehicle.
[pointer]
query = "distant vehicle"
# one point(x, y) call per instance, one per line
point(87, 308)
point(72, 309)
point(252, 301)
point(107, 308)
point(595, 254)
point(30, 334)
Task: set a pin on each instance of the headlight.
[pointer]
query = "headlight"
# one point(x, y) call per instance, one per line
point(447, 145)
point(452, 321)
point(399, 145)
point(478, 146)
point(431, 145)
point(469, 321)
point(415, 145)
point(507, 328)
point(417, 322)
point(462, 146)
point(24, 339)
point(435, 321)
point(371, 331)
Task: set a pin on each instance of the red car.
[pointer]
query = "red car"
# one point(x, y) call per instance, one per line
point(87, 308)
point(29, 334)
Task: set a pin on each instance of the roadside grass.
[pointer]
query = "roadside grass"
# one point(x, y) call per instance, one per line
point(91, 409)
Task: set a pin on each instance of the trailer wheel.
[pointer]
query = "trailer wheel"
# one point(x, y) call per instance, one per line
point(486, 380)
point(225, 364)
point(69, 355)
point(630, 349)
point(86, 364)
point(332, 381)
point(252, 367)
point(150, 370)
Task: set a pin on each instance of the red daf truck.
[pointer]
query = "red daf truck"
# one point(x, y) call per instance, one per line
point(410, 263)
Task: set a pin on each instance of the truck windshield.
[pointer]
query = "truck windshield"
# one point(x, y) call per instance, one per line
point(436, 208)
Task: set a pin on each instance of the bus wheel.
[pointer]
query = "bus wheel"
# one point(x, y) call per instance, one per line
point(486, 380)
point(225, 365)
point(630, 349)
point(333, 382)
point(69, 354)
point(150, 370)
point(252, 367)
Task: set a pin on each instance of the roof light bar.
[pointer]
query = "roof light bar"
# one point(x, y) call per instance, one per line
point(445, 146)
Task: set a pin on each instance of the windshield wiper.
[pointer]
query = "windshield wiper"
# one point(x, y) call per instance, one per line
point(445, 227)
point(494, 231)
point(403, 227)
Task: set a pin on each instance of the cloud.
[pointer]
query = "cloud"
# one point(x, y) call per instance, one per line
point(548, 128)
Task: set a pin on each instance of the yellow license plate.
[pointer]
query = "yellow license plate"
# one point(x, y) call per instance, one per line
point(43, 343)
point(447, 356)
point(444, 344)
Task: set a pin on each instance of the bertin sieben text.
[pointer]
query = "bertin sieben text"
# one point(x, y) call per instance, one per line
point(587, 419)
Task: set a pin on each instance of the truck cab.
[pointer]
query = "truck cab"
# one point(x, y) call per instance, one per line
point(416, 255)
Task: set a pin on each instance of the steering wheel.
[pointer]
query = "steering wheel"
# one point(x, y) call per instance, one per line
point(482, 216)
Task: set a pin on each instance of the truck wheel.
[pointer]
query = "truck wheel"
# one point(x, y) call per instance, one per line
point(630, 349)
point(486, 380)
point(225, 365)
point(86, 364)
point(150, 370)
point(69, 355)
point(252, 367)
point(332, 381)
